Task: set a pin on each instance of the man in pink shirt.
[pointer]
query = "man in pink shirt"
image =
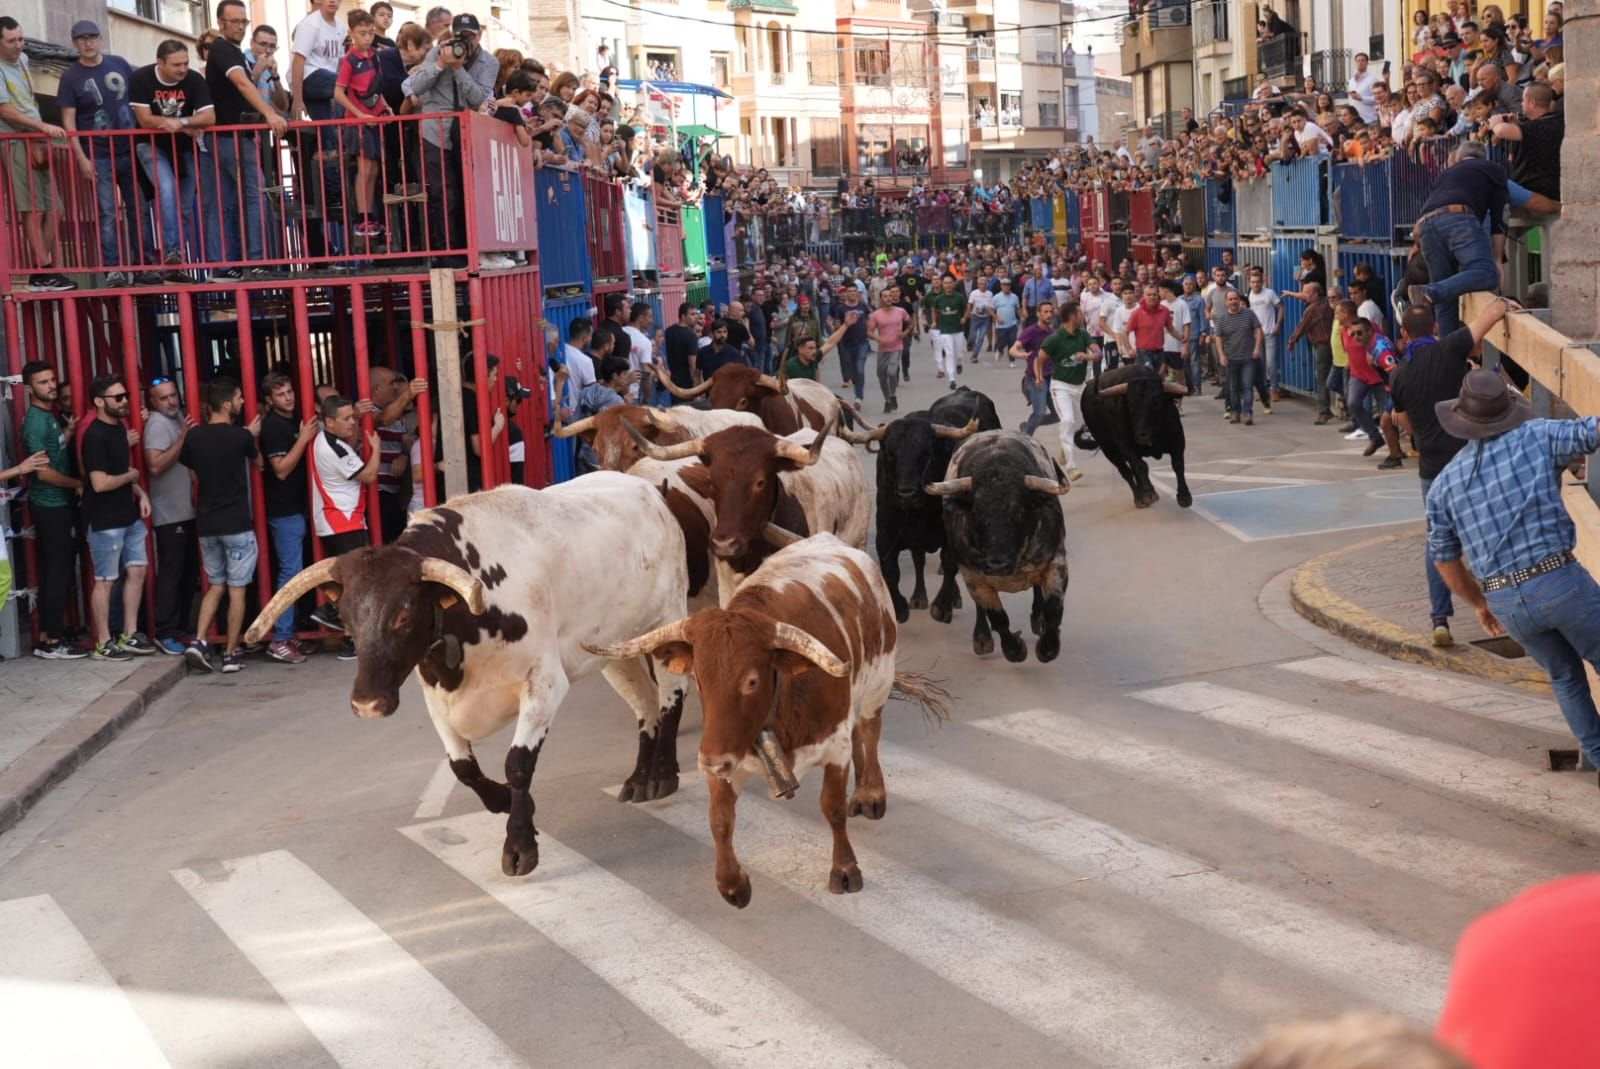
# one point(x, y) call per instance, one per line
point(1149, 326)
point(886, 328)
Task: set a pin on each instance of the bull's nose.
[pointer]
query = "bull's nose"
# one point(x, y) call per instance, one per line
point(721, 766)
point(371, 708)
point(727, 547)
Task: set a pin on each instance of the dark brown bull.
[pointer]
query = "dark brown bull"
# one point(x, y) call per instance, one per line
point(782, 406)
point(618, 450)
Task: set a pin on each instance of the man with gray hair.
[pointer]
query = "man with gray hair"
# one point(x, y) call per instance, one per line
point(1460, 255)
point(436, 22)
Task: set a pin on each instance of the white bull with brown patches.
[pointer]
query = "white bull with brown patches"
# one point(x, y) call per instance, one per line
point(798, 666)
point(618, 450)
point(493, 602)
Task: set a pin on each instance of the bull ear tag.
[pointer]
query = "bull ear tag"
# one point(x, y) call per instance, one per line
point(448, 645)
point(448, 601)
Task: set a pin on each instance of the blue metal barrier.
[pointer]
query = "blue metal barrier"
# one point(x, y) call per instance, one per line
point(1220, 207)
point(1252, 207)
point(716, 231)
point(718, 283)
point(1388, 263)
point(563, 244)
point(560, 312)
point(1074, 220)
point(1366, 212)
point(1041, 215)
point(1299, 194)
point(1296, 370)
point(1215, 247)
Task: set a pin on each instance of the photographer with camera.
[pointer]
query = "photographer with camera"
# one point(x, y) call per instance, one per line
point(457, 75)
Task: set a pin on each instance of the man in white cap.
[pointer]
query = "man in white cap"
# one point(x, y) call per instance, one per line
point(1496, 508)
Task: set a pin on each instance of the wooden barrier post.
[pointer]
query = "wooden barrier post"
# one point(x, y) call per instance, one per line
point(447, 397)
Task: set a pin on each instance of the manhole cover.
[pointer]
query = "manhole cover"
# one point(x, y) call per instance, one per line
point(1503, 646)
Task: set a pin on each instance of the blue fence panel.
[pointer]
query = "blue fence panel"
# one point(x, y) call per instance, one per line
point(1300, 194)
point(1298, 369)
point(719, 285)
point(560, 312)
point(1220, 206)
point(1388, 263)
point(1365, 210)
point(716, 236)
point(1074, 220)
point(1215, 247)
point(1041, 215)
point(1413, 176)
point(563, 244)
point(1252, 207)
point(638, 228)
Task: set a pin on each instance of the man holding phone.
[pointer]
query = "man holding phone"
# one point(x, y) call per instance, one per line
point(1361, 83)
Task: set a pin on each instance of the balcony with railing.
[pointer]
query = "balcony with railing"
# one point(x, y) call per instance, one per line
point(1236, 88)
point(1210, 22)
point(1332, 68)
point(1375, 47)
point(1048, 57)
point(1279, 55)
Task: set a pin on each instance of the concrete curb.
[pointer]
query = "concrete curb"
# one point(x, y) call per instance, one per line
point(85, 734)
point(1315, 598)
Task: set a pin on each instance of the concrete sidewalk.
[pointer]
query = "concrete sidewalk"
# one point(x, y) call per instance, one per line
point(55, 715)
point(1373, 593)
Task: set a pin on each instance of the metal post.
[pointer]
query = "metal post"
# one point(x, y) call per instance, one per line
point(419, 362)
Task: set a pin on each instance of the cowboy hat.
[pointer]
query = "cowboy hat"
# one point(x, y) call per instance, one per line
point(1487, 406)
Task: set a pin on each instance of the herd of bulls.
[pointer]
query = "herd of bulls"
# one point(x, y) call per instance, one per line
point(723, 545)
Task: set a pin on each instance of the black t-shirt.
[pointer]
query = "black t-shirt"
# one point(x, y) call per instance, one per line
point(682, 345)
point(105, 448)
point(856, 334)
point(286, 496)
point(912, 287)
point(182, 100)
point(1433, 374)
point(1538, 165)
point(621, 344)
point(738, 336)
point(469, 427)
point(510, 115)
point(230, 103)
point(219, 454)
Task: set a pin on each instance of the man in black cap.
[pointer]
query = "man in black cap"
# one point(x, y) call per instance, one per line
point(516, 393)
point(1496, 508)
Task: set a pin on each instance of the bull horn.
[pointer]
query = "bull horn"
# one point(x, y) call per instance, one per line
point(680, 392)
point(780, 536)
point(1114, 391)
point(956, 433)
point(1039, 484)
point(691, 448)
point(949, 486)
point(803, 456)
point(791, 638)
point(775, 385)
point(855, 412)
point(661, 420)
point(1177, 389)
point(856, 437)
point(677, 631)
point(296, 588)
point(571, 430)
point(455, 577)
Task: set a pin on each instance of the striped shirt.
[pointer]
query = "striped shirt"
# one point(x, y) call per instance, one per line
point(1498, 502)
point(392, 445)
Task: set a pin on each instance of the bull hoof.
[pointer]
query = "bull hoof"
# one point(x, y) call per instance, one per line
point(519, 858)
point(983, 646)
point(845, 881)
point(1013, 647)
point(661, 788)
point(919, 601)
point(940, 612)
point(635, 789)
point(871, 804)
point(1185, 499)
point(737, 896)
point(902, 611)
point(1141, 502)
point(1048, 648)
point(1036, 623)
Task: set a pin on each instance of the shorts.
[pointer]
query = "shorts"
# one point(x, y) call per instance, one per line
point(117, 549)
point(31, 190)
point(371, 146)
point(229, 559)
point(1172, 359)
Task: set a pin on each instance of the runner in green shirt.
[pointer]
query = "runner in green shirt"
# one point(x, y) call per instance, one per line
point(946, 309)
point(1071, 350)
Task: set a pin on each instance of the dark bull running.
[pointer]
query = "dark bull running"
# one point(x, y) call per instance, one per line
point(1007, 533)
point(1130, 414)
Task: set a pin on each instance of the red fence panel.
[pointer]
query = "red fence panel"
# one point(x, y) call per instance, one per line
point(608, 248)
point(669, 240)
point(1142, 213)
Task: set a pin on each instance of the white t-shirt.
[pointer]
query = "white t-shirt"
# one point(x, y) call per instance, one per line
point(1361, 94)
point(336, 503)
point(640, 357)
point(320, 41)
point(981, 302)
point(1180, 319)
point(1370, 311)
point(1118, 320)
point(1265, 306)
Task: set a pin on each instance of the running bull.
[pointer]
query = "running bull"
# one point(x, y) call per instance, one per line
point(1130, 414)
point(1007, 533)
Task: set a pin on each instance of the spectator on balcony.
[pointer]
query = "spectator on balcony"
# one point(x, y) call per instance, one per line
point(1309, 137)
point(33, 185)
point(115, 508)
point(1273, 26)
point(1362, 82)
point(171, 513)
point(1492, 84)
point(173, 100)
point(262, 60)
point(449, 81)
point(437, 21)
point(238, 101)
point(93, 97)
point(1421, 31)
point(356, 92)
point(318, 45)
point(382, 18)
point(1539, 136)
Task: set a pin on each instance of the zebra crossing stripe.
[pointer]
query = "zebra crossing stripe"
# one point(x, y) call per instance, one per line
point(371, 1004)
point(1390, 972)
point(1516, 786)
point(719, 1005)
point(1437, 688)
point(1044, 984)
point(59, 1007)
point(1377, 835)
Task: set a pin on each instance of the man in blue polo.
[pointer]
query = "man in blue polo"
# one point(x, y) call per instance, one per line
point(1496, 509)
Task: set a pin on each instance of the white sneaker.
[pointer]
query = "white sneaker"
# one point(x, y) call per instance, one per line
point(1355, 435)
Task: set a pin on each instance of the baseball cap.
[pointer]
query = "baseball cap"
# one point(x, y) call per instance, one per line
point(84, 28)
point(514, 388)
point(466, 22)
point(1450, 40)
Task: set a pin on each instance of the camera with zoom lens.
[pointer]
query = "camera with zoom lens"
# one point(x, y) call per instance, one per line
point(459, 46)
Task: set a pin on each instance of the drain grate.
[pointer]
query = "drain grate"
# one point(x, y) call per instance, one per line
point(1502, 646)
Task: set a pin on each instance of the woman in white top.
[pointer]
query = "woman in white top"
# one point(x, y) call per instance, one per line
point(1400, 129)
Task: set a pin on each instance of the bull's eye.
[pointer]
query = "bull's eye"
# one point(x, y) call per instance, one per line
point(752, 680)
point(744, 403)
point(761, 482)
point(402, 619)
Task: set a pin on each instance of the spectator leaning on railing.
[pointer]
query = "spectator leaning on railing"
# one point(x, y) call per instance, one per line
point(172, 100)
point(456, 75)
point(93, 96)
point(238, 100)
point(33, 187)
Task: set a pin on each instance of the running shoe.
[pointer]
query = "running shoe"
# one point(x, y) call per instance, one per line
point(198, 656)
point(110, 651)
point(232, 662)
point(170, 646)
point(136, 644)
point(286, 653)
point(58, 651)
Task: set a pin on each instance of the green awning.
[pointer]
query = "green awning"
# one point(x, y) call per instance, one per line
point(700, 130)
point(776, 7)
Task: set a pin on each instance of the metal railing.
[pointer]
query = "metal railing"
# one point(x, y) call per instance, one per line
point(1375, 47)
point(1210, 22)
point(1332, 68)
point(1236, 88)
point(1277, 56)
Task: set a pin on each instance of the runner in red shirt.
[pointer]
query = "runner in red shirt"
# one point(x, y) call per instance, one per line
point(1363, 376)
point(357, 92)
point(1149, 325)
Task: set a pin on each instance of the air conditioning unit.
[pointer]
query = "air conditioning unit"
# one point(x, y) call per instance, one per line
point(1173, 17)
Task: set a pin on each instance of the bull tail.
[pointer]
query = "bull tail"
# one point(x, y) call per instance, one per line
point(1084, 440)
point(928, 694)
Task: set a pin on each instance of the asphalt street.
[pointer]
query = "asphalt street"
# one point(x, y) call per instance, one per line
point(1203, 818)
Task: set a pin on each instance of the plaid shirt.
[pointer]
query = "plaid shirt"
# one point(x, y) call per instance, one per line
point(1499, 499)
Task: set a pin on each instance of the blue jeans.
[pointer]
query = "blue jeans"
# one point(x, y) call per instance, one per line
point(1355, 399)
point(855, 366)
point(239, 167)
point(1460, 260)
point(1040, 397)
point(1440, 607)
point(288, 542)
point(1336, 379)
point(1005, 338)
point(207, 240)
point(113, 170)
point(1274, 344)
point(1556, 618)
point(174, 188)
point(977, 334)
point(1241, 386)
point(1151, 358)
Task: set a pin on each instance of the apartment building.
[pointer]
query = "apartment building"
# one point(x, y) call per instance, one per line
point(1015, 82)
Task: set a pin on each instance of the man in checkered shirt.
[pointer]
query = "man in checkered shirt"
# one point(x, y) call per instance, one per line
point(1498, 504)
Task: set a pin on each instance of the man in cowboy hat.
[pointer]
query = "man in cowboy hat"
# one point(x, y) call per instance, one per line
point(1498, 503)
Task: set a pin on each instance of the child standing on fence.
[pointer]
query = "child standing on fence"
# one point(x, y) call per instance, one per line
point(356, 90)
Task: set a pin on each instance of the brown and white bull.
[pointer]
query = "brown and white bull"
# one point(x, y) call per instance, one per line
point(783, 405)
point(492, 599)
point(760, 485)
point(617, 449)
point(799, 665)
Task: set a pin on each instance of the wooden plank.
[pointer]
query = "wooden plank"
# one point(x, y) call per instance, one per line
point(447, 391)
point(1566, 369)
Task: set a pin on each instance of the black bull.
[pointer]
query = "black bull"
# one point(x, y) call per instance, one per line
point(1130, 414)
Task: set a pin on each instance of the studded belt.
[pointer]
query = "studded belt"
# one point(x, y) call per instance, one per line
point(1522, 575)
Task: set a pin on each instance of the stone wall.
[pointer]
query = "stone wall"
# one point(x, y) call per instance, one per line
point(1575, 241)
